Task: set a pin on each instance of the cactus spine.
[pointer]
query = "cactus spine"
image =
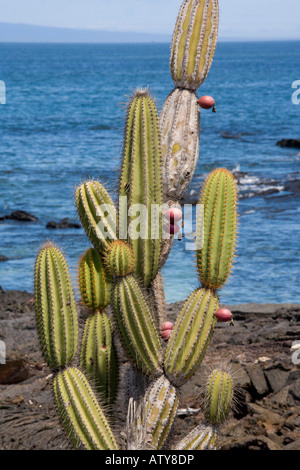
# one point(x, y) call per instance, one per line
point(122, 268)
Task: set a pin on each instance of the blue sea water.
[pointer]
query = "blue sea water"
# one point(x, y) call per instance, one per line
point(63, 123)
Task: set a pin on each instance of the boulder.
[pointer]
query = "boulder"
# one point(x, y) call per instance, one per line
point(63, 223)
point(22, 216)
point(289, 143)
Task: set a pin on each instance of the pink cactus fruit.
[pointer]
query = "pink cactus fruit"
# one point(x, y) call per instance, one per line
point(223, 315)
point(206, 102)
point(166, 330)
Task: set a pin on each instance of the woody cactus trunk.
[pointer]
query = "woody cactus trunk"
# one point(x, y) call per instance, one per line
point(119, 275)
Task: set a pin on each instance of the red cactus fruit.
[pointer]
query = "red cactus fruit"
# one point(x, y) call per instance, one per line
point(166, 334)
point(173, 214)
point(174, 228)
point(206, 102)
point(166, 330)
point(223, 315)
point(166, 326)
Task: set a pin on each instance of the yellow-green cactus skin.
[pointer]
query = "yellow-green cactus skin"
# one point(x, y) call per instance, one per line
point(97, 214)
point(80, 412)
point(141, 184)
point(162, 400)
point(219, 199)
point(191, 336)
point(95, 282)
point(55, 307)
point(98, 356)
point(137, 326)
point(218, 397)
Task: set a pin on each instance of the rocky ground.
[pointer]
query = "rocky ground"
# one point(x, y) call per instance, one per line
point(257, 349)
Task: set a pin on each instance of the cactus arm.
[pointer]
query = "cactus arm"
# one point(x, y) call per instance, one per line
point(96, 208)
point(141, 181)
point(94, 281)
point(191, 336)
point(194, 42)
point(98, 356)
point(136, 325)
point(219, 198)
point(80, 412)
point(203, 437)
point(161, 404)
point(218, 397)
point(56, 313)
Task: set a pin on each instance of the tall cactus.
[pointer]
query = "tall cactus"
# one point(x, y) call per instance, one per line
point(141, 184)
point(119, 277)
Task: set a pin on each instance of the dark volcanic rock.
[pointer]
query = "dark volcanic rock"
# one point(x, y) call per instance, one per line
point(258, 380)
point(63, 223)
point(22, 216)
point(289, 143)
point(293, 186)
point(277, 378)
point(3, 258)
point(228, 135)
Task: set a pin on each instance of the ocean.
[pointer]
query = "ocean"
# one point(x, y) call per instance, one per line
point(63, 122)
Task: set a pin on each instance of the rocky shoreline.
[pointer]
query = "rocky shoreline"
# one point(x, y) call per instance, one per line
point(257, 349)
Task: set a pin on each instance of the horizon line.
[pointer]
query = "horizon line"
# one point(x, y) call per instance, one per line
point(161, 37)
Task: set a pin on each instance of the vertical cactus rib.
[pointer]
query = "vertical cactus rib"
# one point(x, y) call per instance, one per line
point(191, 336)
point(97, 214)
point(55, 306)
point(98, 356)
point(80, 412)
point(136, 325)
point(219, 198)
point(161, 403)
point(141, 183)
point(194, 42)
point(94, 281)
point(203, 437)
point(180, 131)
point(218, 396)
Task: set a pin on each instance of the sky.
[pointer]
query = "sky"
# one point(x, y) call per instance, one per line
point(239, 19)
